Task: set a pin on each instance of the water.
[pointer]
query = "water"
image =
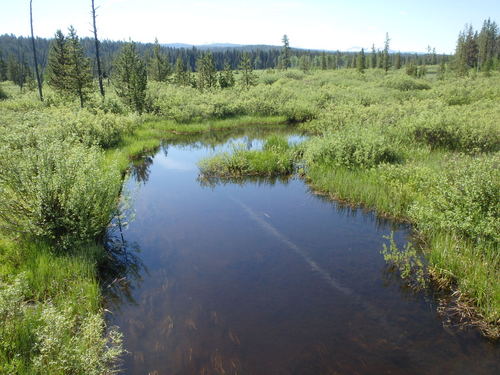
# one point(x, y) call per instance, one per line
point(264, 277)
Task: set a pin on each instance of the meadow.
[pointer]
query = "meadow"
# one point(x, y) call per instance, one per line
point(421, 150)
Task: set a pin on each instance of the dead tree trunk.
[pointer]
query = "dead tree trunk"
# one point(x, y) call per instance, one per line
point(38, 80)
point(98, 59)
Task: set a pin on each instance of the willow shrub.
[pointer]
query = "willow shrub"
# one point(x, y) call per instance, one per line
point(351, 148)
point(406, 83)
point(58, 191)
point(464, 200)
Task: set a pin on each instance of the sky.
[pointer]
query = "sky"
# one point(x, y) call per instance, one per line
point(314, 24)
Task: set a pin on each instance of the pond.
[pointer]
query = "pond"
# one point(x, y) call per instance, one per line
point(264, 277)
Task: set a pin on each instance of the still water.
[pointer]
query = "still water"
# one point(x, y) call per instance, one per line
point(265, 277)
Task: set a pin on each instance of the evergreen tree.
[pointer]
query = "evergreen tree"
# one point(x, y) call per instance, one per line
point(361, 61)
point(397, 63)
point(181, 75)
point(226, 77)
point(78, 71)
point(373, 59)
point(130, 77)
point(411, 69)
point(58, 61)
point(158, 66)
point(422, 71)
point(305, 63)
point(380, 59)
point(487, 41)
point(285, 53)
point(207, 74)
point(18, 72)
point(441, 70)
point(324, 64)
point(434, 60)
point(386, 60)
point(3, 68)
point(248, 77)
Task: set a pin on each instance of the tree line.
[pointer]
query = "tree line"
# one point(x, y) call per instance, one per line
point(70, 64)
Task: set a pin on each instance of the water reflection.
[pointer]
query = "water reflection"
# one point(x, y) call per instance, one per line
point(261, 276)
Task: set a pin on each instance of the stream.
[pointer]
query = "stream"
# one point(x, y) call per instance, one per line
point(262, 276)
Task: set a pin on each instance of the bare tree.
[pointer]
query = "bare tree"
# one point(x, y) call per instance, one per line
point(98, 59)
point(38, 80)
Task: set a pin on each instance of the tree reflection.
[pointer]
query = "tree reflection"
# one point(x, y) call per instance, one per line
point(121, 270)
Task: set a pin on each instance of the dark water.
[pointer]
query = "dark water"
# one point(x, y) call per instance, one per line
point(264, 277)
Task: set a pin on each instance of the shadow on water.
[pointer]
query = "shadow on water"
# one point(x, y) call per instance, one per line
point(262, 276)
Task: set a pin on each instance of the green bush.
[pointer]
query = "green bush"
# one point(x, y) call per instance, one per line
point(3, 94)
point(406, 84)
point(464, 200)
point(351, 148)
point(57, 191)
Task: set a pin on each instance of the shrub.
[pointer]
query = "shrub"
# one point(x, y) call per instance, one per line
point(406, 84)
point(3, 95)
point(351, 148)
point(57, 191)
point(464, 200)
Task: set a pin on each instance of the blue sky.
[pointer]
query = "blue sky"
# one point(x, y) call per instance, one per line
point(315, 24)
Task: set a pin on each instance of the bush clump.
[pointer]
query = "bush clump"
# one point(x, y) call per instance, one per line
point(353, 148)
point(57, 191)
point(406, 84)
point(464, 200)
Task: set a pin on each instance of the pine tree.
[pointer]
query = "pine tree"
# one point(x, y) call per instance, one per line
point(441, 70)
point(487, 42)
point(324, 64)
point(57, 66)
point(285, 53)
point(305, 63)
point(18, 71)
point(397, 63)
point(411, 69)
point(434, 57)
point(361, 61)
point(422, 71)
point(373, 59)
point(159, 67)
point(207, 74)
point(130, 77)
point(78, 72)
point(3, 68)
point(386, 60)
point(248, 77)
point(181, 75)
point(226, 77)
